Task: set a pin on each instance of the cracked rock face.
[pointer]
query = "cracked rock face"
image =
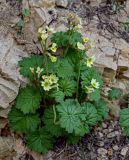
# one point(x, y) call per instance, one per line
point(10, 79)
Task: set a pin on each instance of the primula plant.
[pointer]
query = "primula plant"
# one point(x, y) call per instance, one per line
point(63, 96)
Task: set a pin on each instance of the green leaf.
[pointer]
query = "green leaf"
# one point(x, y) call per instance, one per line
point(61, 39)
point(69, 115)
point(26, 12)
point(95, 96)
point(68, 87)
point(114, 93)
point(73, 139)
point(65, 69)
point(58, 95)
point(28, 100)
point(20, 23)
point(34, 61)
point(89, 114)
point(102, 109)
point(22, 122)
point(124, 120)
point(40, 141)
point(74, 38)
point(50, 125)
point(87, 74)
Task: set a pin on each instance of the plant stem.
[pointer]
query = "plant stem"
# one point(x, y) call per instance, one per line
point(78, 78)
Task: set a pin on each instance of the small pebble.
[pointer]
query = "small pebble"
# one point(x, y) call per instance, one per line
point(111, 135)
point(102, 151)
point(100, 143)
point(124, 151)
point(100, 135)
point(116, 148)
point(104, 125)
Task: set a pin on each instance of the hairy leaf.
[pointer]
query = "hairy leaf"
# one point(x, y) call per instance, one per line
point(30, 62)
point(51, 125)
point(68, 87)
point(58, 95)
point(61, 39)
point(72, 139)
point(124, 120)
point(40, 141)
point(28, 100)
point(102, 109)
point(23, 122)
point(69, 115)
point(114, 93)
point(89, 114)
point(65, 69)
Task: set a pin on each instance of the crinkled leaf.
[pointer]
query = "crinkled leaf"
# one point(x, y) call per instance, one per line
point(114, 93)
point(87, 74)
point(72, 139)
point(34, 61)
point(95, 96)
point(26, 12)
point(58, 95)
point(89, 114)
point(50, 123)
point(19, 121)
point(65, 69)
point(74, 38)
point(40, 141)
point(102, 109)
point(69, 115)
point(28, 100)
point(61, 39)
point(68, 87)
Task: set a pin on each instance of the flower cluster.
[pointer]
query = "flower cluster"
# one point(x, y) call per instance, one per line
point(37, 72)
point(44, 35)
point(93, 85)
point(49, 82)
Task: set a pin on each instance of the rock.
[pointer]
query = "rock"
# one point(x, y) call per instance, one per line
point(10, 78)
point(124, 151)
point(100, 143)
point(113, 134)
point(62, 3)
point(6, 147)
point(102, 151)
point(116, 148)
point(104, 125)
point(100, 135)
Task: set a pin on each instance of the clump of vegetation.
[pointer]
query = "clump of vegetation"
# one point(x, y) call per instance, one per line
point(114, 93)
point(25, 15)
point(63, 97)
point(124, 119)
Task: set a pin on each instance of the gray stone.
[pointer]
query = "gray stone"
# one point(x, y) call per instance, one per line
point(62, 3)
point(124, 151)
point(102, 151)
point(10, 78)
point(116, 148)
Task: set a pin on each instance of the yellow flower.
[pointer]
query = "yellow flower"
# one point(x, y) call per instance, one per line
point(40, 30)
point(95, 84)
point(53, 58)
point(32, 70)
point(46, 85)
point(44, 36)
point(49, 29)
point(80, 46)
point(90, 61)
point(39, 71)
point(78, 27)
point(53, 79)
point(54, 47)
point(91, 46)
point(86, 39)
point(89, 89)
point(79, 20)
